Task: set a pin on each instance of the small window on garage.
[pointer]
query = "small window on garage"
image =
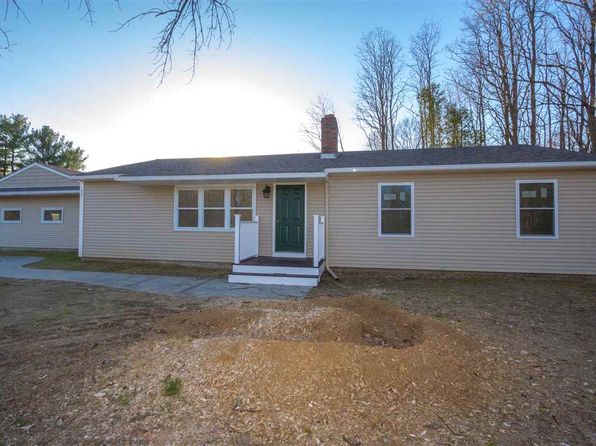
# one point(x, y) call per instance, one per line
point(537, 209)
point(11, 215)
point(52, 215)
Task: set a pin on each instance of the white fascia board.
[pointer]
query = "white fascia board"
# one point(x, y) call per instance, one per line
point(95, 177)
point(34, 193)
point(227, 177)
point(451, 167)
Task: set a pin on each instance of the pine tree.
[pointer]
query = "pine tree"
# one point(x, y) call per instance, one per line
point(49, 147)
point(14, 139)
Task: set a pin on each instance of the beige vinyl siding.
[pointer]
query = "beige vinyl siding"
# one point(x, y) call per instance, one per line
point(37, 177)
point(265, 213)
point(31, 232)
point(137, 222)
point(463, 221)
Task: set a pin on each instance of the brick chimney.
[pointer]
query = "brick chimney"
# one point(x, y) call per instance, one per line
point(329, 135)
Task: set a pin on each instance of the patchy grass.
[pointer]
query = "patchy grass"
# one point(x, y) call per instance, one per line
point(20, 422)
point(125, 398)
point(68, 260)
point(172, 386)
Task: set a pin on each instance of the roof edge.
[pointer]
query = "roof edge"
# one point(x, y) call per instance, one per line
point(546, 165)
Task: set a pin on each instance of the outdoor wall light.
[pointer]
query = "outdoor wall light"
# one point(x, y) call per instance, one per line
point(266, 191)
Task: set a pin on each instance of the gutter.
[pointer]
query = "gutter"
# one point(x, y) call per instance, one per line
point(38, 193)
point(464, 167)
point(96, 177)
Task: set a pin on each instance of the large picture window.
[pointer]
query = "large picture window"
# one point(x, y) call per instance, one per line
point(396, 209)
point(212, 208)
point(537, 213)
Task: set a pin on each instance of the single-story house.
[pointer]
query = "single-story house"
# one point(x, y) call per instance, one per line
point(284, 218)
point(39, 208)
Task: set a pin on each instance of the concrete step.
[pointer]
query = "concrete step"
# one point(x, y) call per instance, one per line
point(275, 279)
point(267, 269)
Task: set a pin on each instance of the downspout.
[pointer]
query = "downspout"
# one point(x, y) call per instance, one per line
point(81, 217)
point(327, 267)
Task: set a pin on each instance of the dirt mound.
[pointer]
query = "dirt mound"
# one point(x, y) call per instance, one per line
point(310, 372)
point(358, 320)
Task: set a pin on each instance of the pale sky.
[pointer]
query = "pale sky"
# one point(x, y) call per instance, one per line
point(93, 85)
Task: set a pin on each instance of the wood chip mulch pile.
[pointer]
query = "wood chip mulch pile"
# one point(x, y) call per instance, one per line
point(353, 371)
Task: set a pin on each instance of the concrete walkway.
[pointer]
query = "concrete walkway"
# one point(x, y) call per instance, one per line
point(200, 288)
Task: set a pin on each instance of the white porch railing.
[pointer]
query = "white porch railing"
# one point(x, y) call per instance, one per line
point(318, 239)
point(246, 238)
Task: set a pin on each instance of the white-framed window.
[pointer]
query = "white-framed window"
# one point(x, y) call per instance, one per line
point(241, 202)
point(52, 215)
point(537, 208)
point(187, 208)
point(11, 215)
point(212, 208)
point(396, 210)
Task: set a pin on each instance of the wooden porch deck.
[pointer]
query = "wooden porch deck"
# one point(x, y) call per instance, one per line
point(289, 262)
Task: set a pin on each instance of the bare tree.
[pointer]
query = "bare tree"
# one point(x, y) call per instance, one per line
point(425, 51)
point(532, 64)
point(201, 22)
point(530, 34)
point(311, 129)
point(407, 134)
point(469, 88)
point(491, 46)
point(379, 90)
point(575, 60)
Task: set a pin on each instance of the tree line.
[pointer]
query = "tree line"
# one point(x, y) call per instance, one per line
point(520, 72)
point(21, 145)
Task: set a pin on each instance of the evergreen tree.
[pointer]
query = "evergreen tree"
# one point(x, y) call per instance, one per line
point(49, 147)
point(458, 127)
point(431, 101)
point(14, 139)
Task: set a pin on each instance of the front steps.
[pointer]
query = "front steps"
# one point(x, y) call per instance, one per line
point(277, 271)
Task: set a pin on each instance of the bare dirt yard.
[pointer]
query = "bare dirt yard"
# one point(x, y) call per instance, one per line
point(395, 358)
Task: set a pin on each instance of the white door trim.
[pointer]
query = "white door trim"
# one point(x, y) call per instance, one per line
point(276, 253)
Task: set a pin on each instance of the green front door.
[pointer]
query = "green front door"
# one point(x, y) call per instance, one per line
point(289, 218)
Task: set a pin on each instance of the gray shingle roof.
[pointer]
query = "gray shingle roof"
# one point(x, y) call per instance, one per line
point(311, 162)
point(63, 170)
